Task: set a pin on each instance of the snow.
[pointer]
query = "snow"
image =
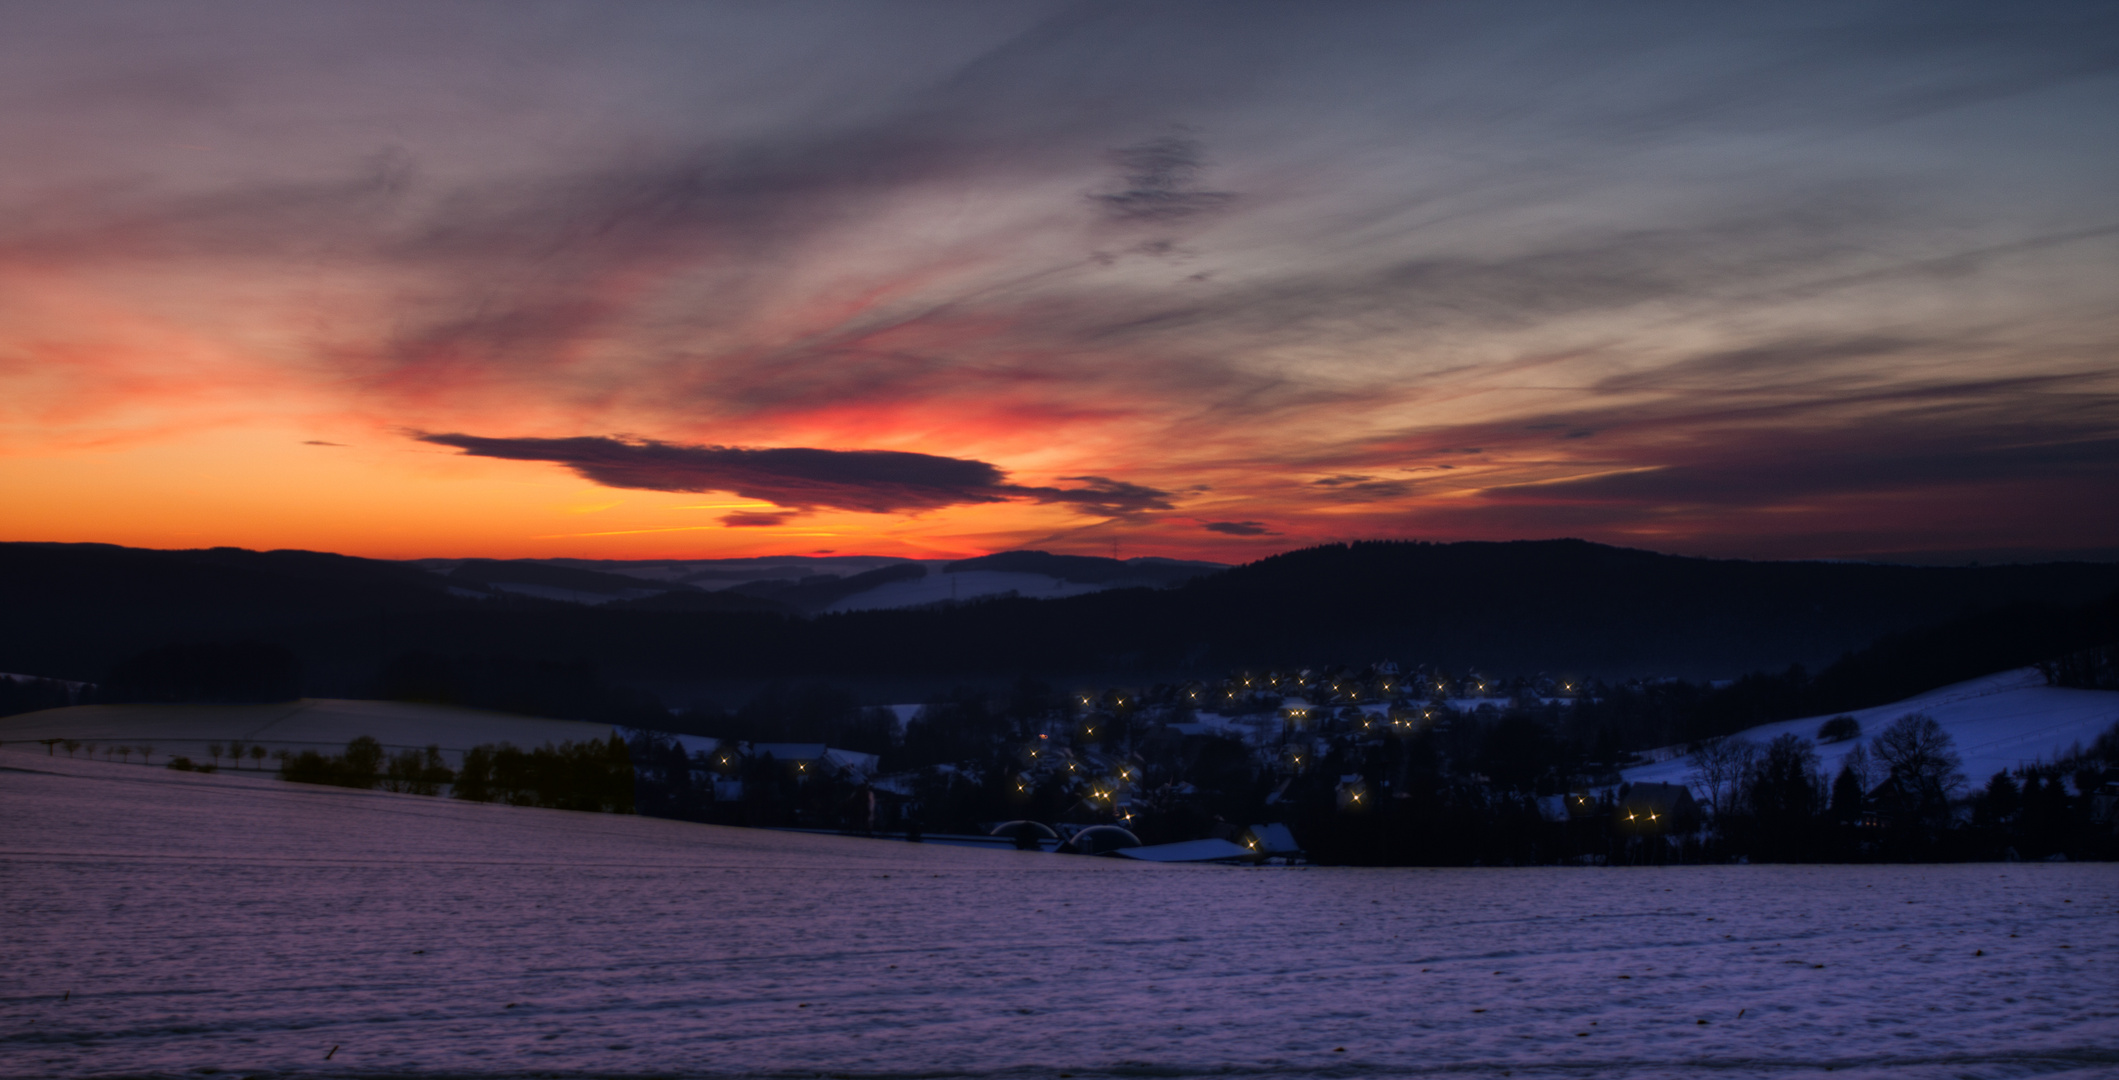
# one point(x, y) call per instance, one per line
point(1186, 851)
point(964, 585)
point(1998, 722)
point(325, 724)
point(19, 678)
point(694, 745)
point(163, 923)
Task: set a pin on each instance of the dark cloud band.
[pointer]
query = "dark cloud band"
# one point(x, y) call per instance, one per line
point(872, 481)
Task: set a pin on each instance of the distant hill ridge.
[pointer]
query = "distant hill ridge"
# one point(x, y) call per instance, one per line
point(1089, 569)
point(1522, 606)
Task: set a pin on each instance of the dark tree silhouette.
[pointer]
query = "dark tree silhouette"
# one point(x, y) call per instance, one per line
point(1839, 729)
point(1916, 748)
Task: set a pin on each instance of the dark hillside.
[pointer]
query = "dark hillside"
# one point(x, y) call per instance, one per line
point(74, 609)
point(1573, 605)
point(481, 573)
point(1556, 606)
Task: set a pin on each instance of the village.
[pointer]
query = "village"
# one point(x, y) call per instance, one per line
point(1378, 763)
point(1375, 765)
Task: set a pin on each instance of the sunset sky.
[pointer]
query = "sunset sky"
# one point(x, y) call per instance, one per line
point(929, 279)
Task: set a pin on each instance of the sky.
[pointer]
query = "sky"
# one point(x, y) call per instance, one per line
point(1800, 280)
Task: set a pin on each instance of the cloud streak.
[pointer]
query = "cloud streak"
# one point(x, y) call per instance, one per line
point(869, 481)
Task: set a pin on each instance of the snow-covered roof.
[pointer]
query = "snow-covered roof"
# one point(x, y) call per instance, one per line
point(1274, 839)
point(789, 751)
point(697, 744)
point(865, 764)
point(1188, 851)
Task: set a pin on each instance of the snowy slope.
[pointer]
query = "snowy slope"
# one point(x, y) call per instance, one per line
point(1999, 722)
point(964, 585)
point(325, 724)
point(163, 924)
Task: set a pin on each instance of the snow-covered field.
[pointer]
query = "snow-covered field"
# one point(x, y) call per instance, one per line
point(163, 924)
point(1998, 722)
point(324, 724)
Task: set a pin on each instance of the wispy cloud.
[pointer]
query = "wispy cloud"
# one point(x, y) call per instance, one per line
point(1670, 275)
point(1161, 182)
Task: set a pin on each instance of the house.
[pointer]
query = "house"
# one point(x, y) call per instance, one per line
point(803, 759)
point(1270, 840)
point(1352, 792)
point(1297, 714)
point(852, 763)
point(1656, 810)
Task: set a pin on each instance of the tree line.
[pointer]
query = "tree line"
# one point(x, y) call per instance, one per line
point(593, 775)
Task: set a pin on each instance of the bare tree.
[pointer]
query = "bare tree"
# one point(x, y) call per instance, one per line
point(1918, 751)
point(216, 749)
point(125, 754)
point(235, 754)
point(257, 756)
point(147, 753)
point(1719, 766)
point(1864, 768)
point(71, 745)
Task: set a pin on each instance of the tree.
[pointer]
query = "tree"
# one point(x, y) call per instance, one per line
point(215, 749)
point(1839, 729)
point(364, 762)
point(125, 754)
point(147, 753)
point(2000, 801)
point(1719, 765)
point(1920, 753)
point(1862, 766)
point(235, 754)
point(1785, 791)
point(1847, 793)
point(71, 745)
point(474, 775)
point(257, 756)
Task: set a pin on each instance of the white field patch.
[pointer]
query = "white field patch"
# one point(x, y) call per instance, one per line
point(965, 585)
point(321, 724)
point(1998, 722)
point(164, 924)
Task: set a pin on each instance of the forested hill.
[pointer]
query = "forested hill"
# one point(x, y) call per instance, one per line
point(1557, 606)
